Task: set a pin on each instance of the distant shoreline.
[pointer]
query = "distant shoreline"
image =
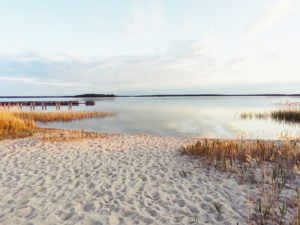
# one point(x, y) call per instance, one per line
point(157, 95)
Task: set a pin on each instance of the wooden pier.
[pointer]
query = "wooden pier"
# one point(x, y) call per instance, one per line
point(44, 104)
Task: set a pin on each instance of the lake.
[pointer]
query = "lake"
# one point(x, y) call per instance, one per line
point(211, 117)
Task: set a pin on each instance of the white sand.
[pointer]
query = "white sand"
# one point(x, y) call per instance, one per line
point(122, 179)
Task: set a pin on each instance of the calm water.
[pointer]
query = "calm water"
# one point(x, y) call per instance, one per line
point(184, 116)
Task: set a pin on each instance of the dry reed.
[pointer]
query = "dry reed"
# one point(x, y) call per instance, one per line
point(14, 127)
point(15, 124)
point(250, 116)
point(228, 152)
point(60, 116)
point(285, 112)
point(288, 116)
point(270, 165)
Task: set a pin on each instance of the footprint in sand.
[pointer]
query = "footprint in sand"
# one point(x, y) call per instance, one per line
point(94, 222)
point(25, 212)
point(73, 216)
point(152, 212)
point(180, 202)
point(145, 220)
point(89, 207)
point(128, 213)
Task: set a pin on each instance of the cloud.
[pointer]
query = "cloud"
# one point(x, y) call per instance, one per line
point(205, 65)
point(144, 19)
point(269, 19)
point(127, 73)
point(45, 82)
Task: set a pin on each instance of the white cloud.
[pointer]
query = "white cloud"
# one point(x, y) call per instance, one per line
point(44, 82)
point(269, 19)
point(144, 19)
point(208, 63)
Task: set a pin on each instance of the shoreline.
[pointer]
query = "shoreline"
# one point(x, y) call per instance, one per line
point(157, 95)
point(190, 137)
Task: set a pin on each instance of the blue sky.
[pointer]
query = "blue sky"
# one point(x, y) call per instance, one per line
point(149, 46)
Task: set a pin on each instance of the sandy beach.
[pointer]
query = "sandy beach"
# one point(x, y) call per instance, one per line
point(121, 179)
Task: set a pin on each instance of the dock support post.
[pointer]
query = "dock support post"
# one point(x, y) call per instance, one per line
point(58, 106)
point(70, 106)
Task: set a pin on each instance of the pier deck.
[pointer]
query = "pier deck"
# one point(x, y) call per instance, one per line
point(46, 103)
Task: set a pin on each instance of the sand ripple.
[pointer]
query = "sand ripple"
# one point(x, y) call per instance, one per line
point(122, 179)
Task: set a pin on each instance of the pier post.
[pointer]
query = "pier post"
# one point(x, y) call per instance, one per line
point(57, 105)
point(70, 106)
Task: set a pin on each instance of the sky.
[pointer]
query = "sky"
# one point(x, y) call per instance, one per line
point(63, 47)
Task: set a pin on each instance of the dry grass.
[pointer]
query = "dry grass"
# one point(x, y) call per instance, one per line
point(250, 116)
point(269, 165)
point(228, 152)
point(16, 124)
point(288, 115)
point(14, 127)
point(60, 116)
point(285, 112)
point(57, 135)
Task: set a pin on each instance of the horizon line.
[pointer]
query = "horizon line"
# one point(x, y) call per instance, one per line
point(150, 95)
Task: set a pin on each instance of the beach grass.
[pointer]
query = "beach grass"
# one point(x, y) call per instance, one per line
point(228, 152)
point(269, 165)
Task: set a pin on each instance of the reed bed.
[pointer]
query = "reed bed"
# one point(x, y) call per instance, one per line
point(12, 126)
point(271, 166)
point(285, 112)
point(16, 124)
point(288, 116)
point(45, 117)
point(250, 116)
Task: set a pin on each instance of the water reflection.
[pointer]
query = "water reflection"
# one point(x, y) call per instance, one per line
point(98, 99)
point(213, 117)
